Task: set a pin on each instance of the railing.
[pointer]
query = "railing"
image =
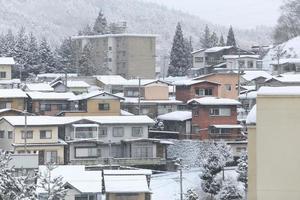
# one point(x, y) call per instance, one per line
point(217, 136)
point(85, 135)
point(120, 161)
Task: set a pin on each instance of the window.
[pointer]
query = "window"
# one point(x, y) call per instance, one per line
point(29, 134)
point(131, 196)
point(45, 107)
point(62, 107)
point(142, 150)
point(241, 63)
point(4, 105)
point(195, 129)
point(220, 112)
point(203, 92)
point(196, 113)
point(2, 134)
point(250, 64)
point(220, 130)
point(9, 134)
point(137, 131)
point(132, 93)
point(118, 131)
point(84, 152)
point(198, 59)
point(109, 48)
point(45, 134)
point(2, 74)
point(51, 157)
point(102, 132)
point(228, 87)
point(103, 106)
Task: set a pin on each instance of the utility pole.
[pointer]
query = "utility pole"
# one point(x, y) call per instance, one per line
point(25, 130)
point(181, 190)
point(139, 100)
point(109, 153)
point(239, 71)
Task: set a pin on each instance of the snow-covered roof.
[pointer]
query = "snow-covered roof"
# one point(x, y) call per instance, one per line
point(191, 82)
point(286, 78)
point(53, 120)
point(248, 87)
point(77, 176)
point(248, 95)
point(171, 79)
point(50, 95)
point(135, 82)
point(92, 94)
point(214, 101)
point(251, 118)
point(7, 61)
point(233, 126)
point(240, 56)
point(55, 75)
point(112, 35)
point(135, 100)
point(41, 87)
point(12, 93)
point(196, 51)
point(286, 61)
point(128, 172)
point(77, 84)
point(111, 79)
point(216, 49)
point(176, 116)
point(279, 91)
point(126, 113)
point(125, 184)
point(251, 75)
point(12, 81)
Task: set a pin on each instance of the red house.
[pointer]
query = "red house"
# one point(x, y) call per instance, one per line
point(189, 89)
point(215, 118)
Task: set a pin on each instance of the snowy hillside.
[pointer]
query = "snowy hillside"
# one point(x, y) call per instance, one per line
point(292, 48)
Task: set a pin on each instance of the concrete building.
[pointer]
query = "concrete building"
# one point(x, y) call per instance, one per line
point(273, 144)
point(128, 55)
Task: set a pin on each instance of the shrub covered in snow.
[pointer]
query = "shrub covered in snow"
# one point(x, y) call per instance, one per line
point(191, 195)
point(230, 191)
point(242, 170)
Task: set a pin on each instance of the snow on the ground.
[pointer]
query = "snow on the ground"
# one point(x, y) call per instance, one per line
point(167, 185)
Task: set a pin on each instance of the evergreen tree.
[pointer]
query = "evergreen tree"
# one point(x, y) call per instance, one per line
point(65, 56)
point(53, 186)
point(188, 53)
point(8, 45)
point(178, 60)
point(230, 38)
point(86, 65)
point(100, 25)
point(13, 187)
point(221, 41)
point(205, 40)
point(33, 55)
point(214, 40)
point(21, 53)
point(46, 57)
point(87, 30)
point(242, 170)
point(191, 195)
point(230, 191)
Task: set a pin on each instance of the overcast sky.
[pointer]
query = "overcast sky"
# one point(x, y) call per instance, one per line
point(239, 13)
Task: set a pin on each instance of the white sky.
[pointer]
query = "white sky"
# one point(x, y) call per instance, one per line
point(239, 13)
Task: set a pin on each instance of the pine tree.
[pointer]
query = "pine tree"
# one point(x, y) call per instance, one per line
point(53, 186)
point(242, 170)
point(230, 191)
point(65, 56)
point(230, 38)
point(191, 195)
point(214, 40)
point(86, 66)
point(8, 46)
point(205, 40)
point(188, 53)
point(13, 187)
point(178, 60)
point(21, 53)
point(46, 57)
point(87, 30)
point(221, 41)
point(100, 25)
point(33, 55)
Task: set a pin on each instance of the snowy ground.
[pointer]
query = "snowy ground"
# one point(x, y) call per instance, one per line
point(166, 185)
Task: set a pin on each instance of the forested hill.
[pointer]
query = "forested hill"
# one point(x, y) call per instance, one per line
point(56, 19)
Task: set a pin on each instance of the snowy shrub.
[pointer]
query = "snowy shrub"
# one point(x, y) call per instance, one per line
point(242, 170)
point(230, 191)
point(191, 195)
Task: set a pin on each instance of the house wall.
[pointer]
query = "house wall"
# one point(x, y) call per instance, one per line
point(204, 120)
point(252, 163)
point(55, 109)
point(71, 194)
point(197, 56)
point(225, 79)
point(16, 103)
point(185, 93)
point(114, 196)
point(114, 105)
point(7, 69)
point(156, 91)
point(6, 143)
point(278, 142)
point(36, 134)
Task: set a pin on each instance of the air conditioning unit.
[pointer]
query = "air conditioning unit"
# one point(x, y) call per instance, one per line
point(67, 138)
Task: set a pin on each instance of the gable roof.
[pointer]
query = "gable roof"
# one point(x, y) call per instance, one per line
point(125, 183)
point(176, 116)
point(42, 87)
point(7, 61)
point(286, 78)
point(192, 82)
point(77, 84)
point(214, 101)
point(144, 82)
point(217, 49)
point(251, 75)
point(12, 93)
point(111, 79)
point(93, 94)
point(50, 95)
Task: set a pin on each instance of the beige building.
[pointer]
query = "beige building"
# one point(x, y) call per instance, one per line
point(128, 55)
point(12, 99)
point(273, 145)
point(6, 64)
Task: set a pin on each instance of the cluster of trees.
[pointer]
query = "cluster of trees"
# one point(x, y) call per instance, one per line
point(180, 57)
point(24, 187)
point(288, 25)
point(209, 39)
point(33, 56)
point(215, 184)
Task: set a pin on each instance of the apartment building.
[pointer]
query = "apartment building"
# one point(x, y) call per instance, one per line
point(128, 55)
point(273, 144)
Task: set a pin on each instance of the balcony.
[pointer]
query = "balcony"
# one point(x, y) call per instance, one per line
point(85, 131)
